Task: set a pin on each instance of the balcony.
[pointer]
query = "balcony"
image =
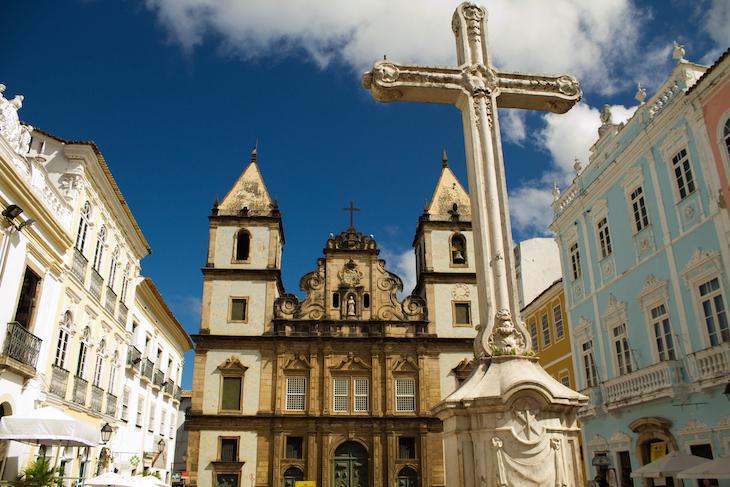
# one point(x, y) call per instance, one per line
point(111, 404)
point(122, 313)
point(711, 366)
point(80, 386)
point(662, 380)
point(110, 300)
point(178, 394)
point(134, 357)
point(59, 381)
point(96, 284)
point(78, 265)
point(20, 352)
point(97, 395)
point(158, 379)
point(147, 369)
point(169, 388)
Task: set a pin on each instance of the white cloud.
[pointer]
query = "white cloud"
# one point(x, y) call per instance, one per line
point(586, 38)
point(512, 126)
point(402, 264)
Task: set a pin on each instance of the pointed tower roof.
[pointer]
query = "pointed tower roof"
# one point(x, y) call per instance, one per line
point(449, 192)
point(248, 192)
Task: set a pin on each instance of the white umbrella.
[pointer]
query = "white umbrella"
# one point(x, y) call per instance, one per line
point(719, 468)
point(147, 481)
point(111, 478)
point(668, 465)
point(48, 426)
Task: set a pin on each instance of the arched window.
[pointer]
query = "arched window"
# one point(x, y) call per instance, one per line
point(458, 249)
point(726, 136)
point(83, 352)
point(113, 267)
point(291, 476)
point(64, 336)
point(100, 244)
point(83, 227)
point(125, 283)
point(243, 245)
point(407, 477)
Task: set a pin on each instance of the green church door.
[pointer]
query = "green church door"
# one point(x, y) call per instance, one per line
point(351, 465)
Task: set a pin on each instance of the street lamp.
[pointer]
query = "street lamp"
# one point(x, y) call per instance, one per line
point(161, 446)
point(106, 433)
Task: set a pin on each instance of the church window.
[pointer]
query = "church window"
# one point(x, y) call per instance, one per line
point(237, 309)
point(575, 261)
point(360, 394)
point(99, 251)
point(534, 336)
point(589, 364)
point(462, 314)
point(366, 301)
point(294, 447)
point(623, 352)
point(296, 393)
point(641, 217)
point(405, 395)
point(712, 302)
point(663, 334)
point(84, 220)
point(28, 298)
point(545, 324)
point(228, 450)
point(458, 250)
point(243, 245)
point(406, 448)
point(604, 238)
point(683, 174)
point(335, 300)
point(558, 320)
point(231, 388)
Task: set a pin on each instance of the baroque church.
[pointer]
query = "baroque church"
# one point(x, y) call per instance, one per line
point(337, 386)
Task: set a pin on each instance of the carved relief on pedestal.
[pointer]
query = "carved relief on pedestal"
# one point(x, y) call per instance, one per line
point(505, 339)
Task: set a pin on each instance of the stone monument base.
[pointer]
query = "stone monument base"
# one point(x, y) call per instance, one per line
point(511, 424)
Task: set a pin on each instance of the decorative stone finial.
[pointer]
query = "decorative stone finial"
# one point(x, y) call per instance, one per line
point(425, 206)
point(577, 166)
point(606, 119)
point(678, 51)
point(445, 160)
point(254, 154)
point(640, 94)
point(216, 203)
point(556, 191)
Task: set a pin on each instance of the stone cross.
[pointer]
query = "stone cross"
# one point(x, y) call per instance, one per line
point(351, 209)
point(477, 89)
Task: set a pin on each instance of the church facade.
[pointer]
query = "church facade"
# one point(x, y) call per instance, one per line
point(336, 385)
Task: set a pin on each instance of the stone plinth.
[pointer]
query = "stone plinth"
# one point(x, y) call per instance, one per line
point(511, 424)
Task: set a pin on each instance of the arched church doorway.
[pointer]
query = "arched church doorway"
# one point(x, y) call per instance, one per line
point(291, 476)
point(407, 477)
point(351, 465)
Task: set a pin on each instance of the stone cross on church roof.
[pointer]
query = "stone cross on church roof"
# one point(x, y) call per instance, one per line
point(477, 89)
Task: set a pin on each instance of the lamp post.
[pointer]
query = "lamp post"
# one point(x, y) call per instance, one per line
point(161, 446)
point(106, 433)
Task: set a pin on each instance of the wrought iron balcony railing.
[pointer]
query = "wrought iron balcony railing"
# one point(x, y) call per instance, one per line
point(80, 386)
point(158, 379)
point(78, 265)
point(122, 313)
point(97, 395)
point(170, 387)
point(59, 381)
point(147, 369)
point(134, 357)
point(96, 283)
point(21, 345)
point(178, 394)
point(111, 404)
point(110, 300)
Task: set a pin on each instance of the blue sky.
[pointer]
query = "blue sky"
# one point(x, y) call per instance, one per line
point(176, 93)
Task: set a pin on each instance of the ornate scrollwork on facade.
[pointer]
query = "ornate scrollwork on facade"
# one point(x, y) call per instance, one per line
point(351, 240)
point(350, 275)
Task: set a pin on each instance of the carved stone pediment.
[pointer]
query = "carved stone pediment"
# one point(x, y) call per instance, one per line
point(405, 364)
point(233, 365)
point(297, 362)
point(351, 363)
point(351, 240)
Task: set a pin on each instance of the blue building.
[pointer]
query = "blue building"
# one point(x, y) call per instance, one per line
point(644, 255)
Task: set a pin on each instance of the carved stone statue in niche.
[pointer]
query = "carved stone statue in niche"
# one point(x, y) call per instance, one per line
point(351, 306)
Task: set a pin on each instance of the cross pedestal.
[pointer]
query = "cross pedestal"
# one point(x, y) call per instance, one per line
point(510, 423)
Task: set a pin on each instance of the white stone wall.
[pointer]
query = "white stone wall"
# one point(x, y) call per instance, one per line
point(247, 448)
point(538, 268)
point(251, 380)
point(222, 290)
point(259, 250)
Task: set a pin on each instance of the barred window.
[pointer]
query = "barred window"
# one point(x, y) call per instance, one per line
point(231, 394)
point(362, 393)
point(340, 394)
point(296, 393)
point(405, 395)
